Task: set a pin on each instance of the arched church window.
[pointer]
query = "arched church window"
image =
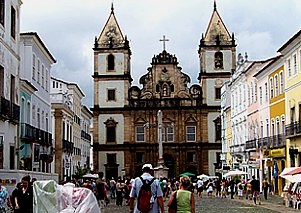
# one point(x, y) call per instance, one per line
point(218, 60)
point(111, 62)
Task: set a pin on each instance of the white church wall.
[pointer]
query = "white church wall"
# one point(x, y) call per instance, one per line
point(119, 128)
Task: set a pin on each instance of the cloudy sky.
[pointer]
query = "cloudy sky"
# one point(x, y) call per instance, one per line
point(68, 29)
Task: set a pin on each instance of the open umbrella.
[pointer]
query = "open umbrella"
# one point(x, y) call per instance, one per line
point(90, 176)
point(287, 170)
point(235, 173)
point(189, 174)
point(203, 176)
point(292, 178)
point(294, 171)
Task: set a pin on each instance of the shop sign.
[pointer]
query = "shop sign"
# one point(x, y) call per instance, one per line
point(254, 163)
point(277, 152)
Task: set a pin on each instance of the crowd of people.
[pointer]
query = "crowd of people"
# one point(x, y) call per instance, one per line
point(179, 193)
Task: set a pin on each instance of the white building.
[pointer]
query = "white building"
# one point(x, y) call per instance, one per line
point(239, 111)
point(66, 108)
point(9, 82)
point(86, 139)
point(35, 128)
point(226, 125)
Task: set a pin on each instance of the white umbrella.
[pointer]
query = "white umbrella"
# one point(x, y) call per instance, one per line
point(90, 176)
point(235, 173)
point(292, 178)
point(203, 176)
point(286, 170)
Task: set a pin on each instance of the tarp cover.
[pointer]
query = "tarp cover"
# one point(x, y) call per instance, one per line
point(51, 197)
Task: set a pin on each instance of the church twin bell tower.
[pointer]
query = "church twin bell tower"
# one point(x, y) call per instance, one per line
point(125, 123)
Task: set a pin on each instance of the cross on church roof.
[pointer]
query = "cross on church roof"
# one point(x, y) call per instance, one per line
point(164, 40)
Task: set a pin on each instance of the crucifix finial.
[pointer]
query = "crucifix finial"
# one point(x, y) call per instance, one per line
point(214, 5)
point(112, 8)
point(164, 40)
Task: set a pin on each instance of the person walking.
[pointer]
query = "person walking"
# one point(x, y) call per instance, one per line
point(255, 185)
point(4, 199)
point(218, 188)
point(112, 188)
point(101, 188)
point(24, 197)
point(232, 188)
point(266, 186)
point(184, 197)
point(14, 197)
point(200, 187)
point(157, 194)
point(119, 192)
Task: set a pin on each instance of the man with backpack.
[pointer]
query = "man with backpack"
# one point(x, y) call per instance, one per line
point(148, 192)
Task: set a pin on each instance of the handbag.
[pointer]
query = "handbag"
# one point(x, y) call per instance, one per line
point(173, 207)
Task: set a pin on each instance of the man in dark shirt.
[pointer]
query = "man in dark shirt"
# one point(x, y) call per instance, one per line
point(255, 189)
point(101, 188)
point(24, 201)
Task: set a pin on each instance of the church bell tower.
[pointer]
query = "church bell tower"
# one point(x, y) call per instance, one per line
point(217, 54)
point(112, 80)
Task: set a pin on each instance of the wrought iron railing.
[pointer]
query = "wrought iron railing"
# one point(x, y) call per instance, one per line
point(293, 129)
point(5, 109)
point(85, 135)
point(68, 146)
point(33, 134)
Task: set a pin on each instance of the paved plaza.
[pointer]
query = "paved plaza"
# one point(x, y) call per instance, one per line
point(226, 205)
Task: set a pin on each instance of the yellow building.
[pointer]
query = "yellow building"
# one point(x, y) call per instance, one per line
point(291, 52)
point(277, 152)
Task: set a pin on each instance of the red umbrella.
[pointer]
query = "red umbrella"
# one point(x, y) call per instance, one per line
point(294, 172)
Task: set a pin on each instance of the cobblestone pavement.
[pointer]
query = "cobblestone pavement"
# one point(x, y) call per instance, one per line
point(226, 205)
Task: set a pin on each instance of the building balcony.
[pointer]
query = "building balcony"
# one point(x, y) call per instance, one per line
point(46, 154)
point(5, 109)
point(293, 129)
point(15, 113)
point(68, 146)
point(277, 141)
point(32, 134)
point(85, 135)
point(264, 142)
point(251, 144)
point(9, 111)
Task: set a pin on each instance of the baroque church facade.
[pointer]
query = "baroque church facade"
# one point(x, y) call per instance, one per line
point(125, 123)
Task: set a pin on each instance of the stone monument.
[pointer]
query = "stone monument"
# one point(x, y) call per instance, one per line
point(160, 170)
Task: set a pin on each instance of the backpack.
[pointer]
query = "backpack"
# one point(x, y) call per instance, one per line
point(145, 202)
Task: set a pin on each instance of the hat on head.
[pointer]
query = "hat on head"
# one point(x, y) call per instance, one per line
point(147, 165)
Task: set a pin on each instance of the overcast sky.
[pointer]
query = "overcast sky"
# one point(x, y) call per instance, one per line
point(68, 29)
